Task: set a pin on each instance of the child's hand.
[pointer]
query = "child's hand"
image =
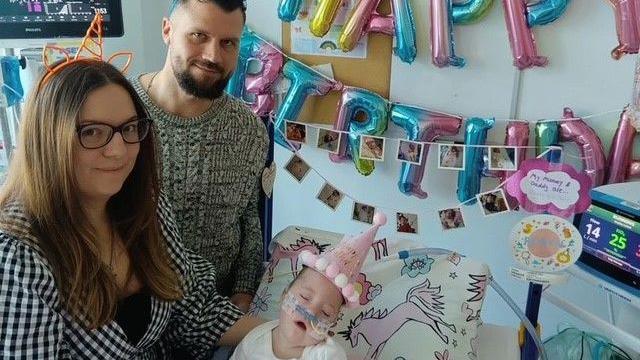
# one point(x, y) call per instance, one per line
point(242, 301)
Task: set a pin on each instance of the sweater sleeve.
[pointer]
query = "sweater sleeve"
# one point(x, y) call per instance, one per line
point(202, 316)
point(249, 264)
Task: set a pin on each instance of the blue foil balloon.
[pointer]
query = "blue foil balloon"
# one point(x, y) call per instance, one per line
point(249, 42)
point(545, 11)
point(470, 11)
point(405, 31)
point(421, 125)
point(304, 82)
point(288, 9)
point(360, 112)
point(469, 179)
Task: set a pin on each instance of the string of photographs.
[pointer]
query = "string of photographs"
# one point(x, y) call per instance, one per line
point(451, 156)
point(491, 202)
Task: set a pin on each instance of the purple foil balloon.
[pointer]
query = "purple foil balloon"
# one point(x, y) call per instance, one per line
point(421, 125)
point(621, 165)
point(261, 84)
point(591, 149)
point(523, 45)
point(627, 27)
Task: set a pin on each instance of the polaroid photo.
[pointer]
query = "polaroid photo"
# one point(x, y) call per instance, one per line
point(451, 156)
point(372, 147)
point(407, 223)
point(451, 218)
point(410, 152)
point(503, 158)
point(329, 140)
point(330, 196)
point(493, 202)
point(296, 132)
point(297, 167)
point(363, 213)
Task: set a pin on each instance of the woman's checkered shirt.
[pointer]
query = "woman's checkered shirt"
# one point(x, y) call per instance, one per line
point(33, 324)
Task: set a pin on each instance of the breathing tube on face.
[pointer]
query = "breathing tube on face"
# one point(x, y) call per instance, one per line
point(292, 306)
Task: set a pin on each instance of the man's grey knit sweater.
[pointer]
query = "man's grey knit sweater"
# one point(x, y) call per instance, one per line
point(211, 166)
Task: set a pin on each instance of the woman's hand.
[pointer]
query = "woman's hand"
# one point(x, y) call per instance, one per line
point(242, 301)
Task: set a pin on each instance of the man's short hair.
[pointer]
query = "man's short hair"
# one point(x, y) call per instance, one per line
point(226, 5)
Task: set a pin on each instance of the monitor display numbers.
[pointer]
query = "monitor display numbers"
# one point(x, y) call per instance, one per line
point(611, 237)
point(618, 240)
point(34, 11)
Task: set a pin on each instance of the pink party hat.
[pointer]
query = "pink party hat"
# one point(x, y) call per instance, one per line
point(342, 264)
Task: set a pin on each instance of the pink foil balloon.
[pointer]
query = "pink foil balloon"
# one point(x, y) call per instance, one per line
point(261, 84)
point(591, 149)
point(356, 25)
point(621, 166)
point(440, 33)
point(627, 27)
point(517, 134)
point(523, 45)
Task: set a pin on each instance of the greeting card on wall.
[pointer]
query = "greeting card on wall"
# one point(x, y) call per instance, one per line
point(303, 42)
point(541, 186)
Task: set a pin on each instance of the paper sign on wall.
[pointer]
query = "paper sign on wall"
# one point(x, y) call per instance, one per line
point(558, 189)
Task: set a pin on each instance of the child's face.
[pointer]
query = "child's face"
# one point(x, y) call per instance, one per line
point(320, 297)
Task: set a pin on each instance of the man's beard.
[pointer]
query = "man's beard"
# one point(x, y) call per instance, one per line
point(211, 90)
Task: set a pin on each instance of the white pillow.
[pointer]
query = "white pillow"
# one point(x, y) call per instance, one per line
point(425, 307)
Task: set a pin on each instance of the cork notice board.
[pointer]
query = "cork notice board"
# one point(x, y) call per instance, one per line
point(372, 73)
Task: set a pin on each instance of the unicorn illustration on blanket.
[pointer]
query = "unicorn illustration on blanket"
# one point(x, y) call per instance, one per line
point(423, 304)
point(292, 253)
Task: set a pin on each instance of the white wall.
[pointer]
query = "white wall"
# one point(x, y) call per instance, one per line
point(581, 74)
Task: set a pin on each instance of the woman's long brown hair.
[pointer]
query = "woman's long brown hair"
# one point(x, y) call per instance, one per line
point(42, 180)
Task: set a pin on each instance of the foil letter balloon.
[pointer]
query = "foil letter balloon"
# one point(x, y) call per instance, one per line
point(575, 130)
point(260, 84)
point(517, 134)
point(622, 166)
point(421, 125)
point(627, 27)
point(444, 14)
point(589, 144)
point(475, 133)
point(442, 43)
point(520, 18)
point(304, 82)
point(256, 88)
point(365, 19)
point(288, 9)
point(324, 16)
point(360, 112)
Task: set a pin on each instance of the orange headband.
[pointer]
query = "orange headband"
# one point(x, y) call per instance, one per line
point(90, 50)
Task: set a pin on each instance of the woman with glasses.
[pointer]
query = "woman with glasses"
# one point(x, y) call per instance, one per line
point(91, 264)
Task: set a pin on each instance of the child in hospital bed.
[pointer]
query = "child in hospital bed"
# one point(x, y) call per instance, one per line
point(312, 303)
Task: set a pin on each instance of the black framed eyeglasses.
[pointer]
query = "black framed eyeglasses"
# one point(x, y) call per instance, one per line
point(97, 135)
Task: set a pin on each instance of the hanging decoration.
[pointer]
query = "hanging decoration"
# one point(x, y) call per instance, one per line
point(476, 130)
point(360, 112)
point(421, 125)
point(520, 19)
point(365, 19)
point(627, 14)
point(556, 188)
point(445, 14)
